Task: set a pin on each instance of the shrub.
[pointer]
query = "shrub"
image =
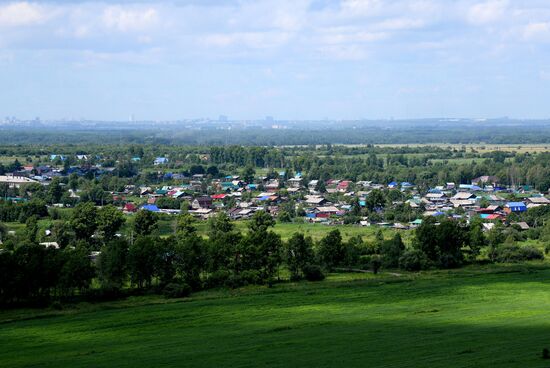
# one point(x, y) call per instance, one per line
point(218, 278)
point(313, 273)
point(513, 253)
point(56, 305)
point(251, 277)
point(176, 290)
point(413, 260)
point(375, 264)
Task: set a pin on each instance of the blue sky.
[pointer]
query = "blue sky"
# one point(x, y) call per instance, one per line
point(295, 59)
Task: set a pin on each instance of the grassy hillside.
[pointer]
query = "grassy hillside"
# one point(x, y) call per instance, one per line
point(490, 317)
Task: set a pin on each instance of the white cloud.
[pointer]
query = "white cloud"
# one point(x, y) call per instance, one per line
point(397, 24)
point(347, 35)
point(487, 12)
point(19, 14)
point(537, 31)
point(129, 20)
point(255, 40)
point(361, 8)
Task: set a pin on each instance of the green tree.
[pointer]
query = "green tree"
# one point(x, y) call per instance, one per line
point(83, 220)
point(77, 271)
point(299, 253)
point(112, 264)
point(143, 257)
point(190, 257)
point(332, 250)
point(392, 250)
point(109, 221)
point(223, 243)
point(145, 223)
point(476, 239)
point(55, 191)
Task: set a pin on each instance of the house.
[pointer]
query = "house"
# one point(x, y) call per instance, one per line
point(486, 179)
point(515, 207)
point(202, 202)
point(436, 197)
point(393, 185)
point(55, 157)
point(343, 185)
point(312, 185)
point(489, 210)
point(16, 181)
point(50, 245)
point(202, 212)
point(539, 200)
point(463, 203)
point(130, 208)
point(160, 161)
point(150, 208)
point(315, 200)
point(294, 183)
point(522, 225)
point(326, 211)
point(460, 196)
point(272, 185)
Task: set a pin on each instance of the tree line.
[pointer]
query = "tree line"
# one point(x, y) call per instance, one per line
point(91, 248)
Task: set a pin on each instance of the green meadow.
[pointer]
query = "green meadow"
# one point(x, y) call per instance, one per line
point(493, 316)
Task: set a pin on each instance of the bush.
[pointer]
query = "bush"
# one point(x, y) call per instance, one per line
point(413, 260)
point(313, 273)
point(176, 290)
point(512, 253)
point(251, 277)
point(375, 264)
point(56, 305)
point(218, 278)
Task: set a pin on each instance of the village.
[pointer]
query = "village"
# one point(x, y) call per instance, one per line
point(290, 199)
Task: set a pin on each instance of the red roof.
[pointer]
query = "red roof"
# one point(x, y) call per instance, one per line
point(218, 196)
point(130, 207)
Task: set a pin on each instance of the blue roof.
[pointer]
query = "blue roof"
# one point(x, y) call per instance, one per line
point(264, 198)
point(515, 204)
point(150, 207)
point(393, 183)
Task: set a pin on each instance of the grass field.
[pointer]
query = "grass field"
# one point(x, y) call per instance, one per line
point(474, 317)
point(482, 148)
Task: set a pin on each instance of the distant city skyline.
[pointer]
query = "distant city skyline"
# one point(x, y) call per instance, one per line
point(290, 59)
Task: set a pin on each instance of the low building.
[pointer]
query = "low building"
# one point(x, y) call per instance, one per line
point(16, 181)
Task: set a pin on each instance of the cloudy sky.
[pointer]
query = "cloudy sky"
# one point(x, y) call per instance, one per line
point(294, 59)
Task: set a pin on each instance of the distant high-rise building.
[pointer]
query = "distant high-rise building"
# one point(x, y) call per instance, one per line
point(269, 118)
point(222, 118)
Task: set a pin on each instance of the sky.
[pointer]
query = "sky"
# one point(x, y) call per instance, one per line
point(291, 59)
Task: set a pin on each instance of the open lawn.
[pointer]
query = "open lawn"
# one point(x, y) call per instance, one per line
point(474, 317)
point(482, 148)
